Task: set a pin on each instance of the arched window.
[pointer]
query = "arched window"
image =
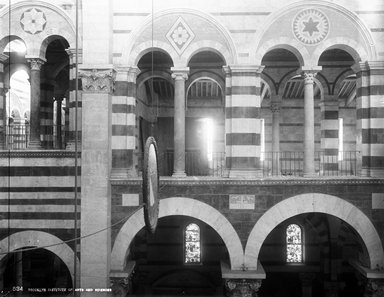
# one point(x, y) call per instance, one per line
point(192, 244)
point(294, 240)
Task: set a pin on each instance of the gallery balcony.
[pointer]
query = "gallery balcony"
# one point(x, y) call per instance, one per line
point(17, 137)
point(273, 164)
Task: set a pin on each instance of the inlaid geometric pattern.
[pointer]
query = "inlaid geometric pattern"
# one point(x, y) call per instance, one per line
point(180, 35)
point(33, 21)
point(310, 26)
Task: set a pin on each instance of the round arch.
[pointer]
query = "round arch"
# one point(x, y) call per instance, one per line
point(347, 44)
point(207, 45)
point(228, 50)
point(44, 240)
point(142, 78)
point(293, 74)
point(290, 44)
point(61, 24)
point(139, 51)
point(314, 202)
point(185, 207)
point(7, 39)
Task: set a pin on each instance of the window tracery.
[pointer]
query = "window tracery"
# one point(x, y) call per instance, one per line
point(192, 244)
point(294, 241)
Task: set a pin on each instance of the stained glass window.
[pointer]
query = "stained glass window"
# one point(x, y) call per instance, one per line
point(294, 244)
point(192, 247)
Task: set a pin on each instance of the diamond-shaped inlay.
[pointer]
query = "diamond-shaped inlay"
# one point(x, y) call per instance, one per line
point(180, 35)
point(33, 21)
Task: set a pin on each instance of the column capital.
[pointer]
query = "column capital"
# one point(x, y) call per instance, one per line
point(180, 73)
point(98, 80)
point(242, 287)
point(309, 73)
point(35, 62)
point(3, 58)
point(275, 107)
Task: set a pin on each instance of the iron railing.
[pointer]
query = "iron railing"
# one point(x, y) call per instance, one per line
point(196, 163)
point(17, 136)
point(285, 163)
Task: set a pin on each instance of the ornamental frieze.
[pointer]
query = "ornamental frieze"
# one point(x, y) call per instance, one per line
point(98, 81)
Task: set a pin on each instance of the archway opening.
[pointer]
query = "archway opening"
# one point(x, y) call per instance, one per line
point(35, 269)
point(18, 97)
point(322, 264)
point(340, 136)
point(161, 266)
point(155, 94)
point(55, 92)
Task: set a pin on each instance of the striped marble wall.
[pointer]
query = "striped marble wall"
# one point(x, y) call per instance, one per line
point(37, 193)
point(370, 116)
point(329, 136)
point(2, 101)
point(242, 120)
point(124, 123)
point(72, 99)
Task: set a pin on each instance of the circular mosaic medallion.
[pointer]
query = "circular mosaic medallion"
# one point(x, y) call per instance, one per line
point(310, 26)
point(33, 21)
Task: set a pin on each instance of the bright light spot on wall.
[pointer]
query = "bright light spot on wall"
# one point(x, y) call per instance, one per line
point(341, 140)
point(262, 140)
point(16, 46)
point(209, 135)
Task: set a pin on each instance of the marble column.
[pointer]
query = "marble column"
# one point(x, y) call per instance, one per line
point(180, 75)
point(275, 109)
point(59, 126)
point(95, 174)
point(309, 123)
point(36, 64)
point(3, 91)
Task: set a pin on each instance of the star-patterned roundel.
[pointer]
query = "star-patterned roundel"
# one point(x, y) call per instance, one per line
point(310, 26)
point(33, 21)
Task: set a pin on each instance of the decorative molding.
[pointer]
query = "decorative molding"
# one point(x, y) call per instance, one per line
point(190, 181)
point(275, 107)
point(98, 80)
point(38, 154)
point(33, 21)
point(242, 287)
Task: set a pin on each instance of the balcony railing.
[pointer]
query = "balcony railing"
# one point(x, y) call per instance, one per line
point(17, 137)
point(285, 163)
point(196, 163)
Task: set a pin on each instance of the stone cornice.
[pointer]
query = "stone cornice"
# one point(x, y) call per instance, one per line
point(38, 154)
point(190, 181)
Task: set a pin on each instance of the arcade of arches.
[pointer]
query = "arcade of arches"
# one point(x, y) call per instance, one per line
point(269, 122)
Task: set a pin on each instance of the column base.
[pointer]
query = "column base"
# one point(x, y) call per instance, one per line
point(246, 173)
point(179, 174)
